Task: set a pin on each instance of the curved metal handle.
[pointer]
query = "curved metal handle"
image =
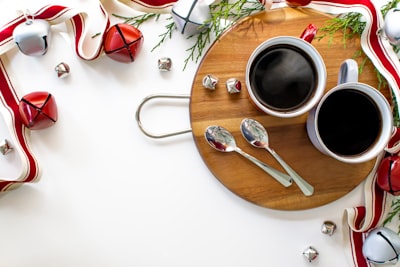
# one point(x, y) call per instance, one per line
point(139, 109)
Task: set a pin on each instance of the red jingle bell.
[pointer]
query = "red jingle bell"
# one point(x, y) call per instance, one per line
point(38, 110)
point(388, 175)
point(122, 42)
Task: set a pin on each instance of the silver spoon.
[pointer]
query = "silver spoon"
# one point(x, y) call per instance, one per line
point(222, 140)
point(256, 135)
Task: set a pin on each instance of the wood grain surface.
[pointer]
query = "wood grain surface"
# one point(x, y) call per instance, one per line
point(227, 58)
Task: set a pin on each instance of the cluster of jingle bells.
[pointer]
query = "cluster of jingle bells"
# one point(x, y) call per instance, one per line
point(122, 42)
point(38, 110)
point(382, 245)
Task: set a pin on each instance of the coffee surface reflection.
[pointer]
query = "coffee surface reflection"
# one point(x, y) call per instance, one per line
point(283, 77)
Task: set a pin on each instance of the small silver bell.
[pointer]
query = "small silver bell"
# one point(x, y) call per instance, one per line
point(233, 86)
point(164, 64)
point(391, 26)
point(32, 37)
point(62, 70)
point(210, 81)
point(328, 228)
point(310, 254)
point(5, 147)
point(190, 15)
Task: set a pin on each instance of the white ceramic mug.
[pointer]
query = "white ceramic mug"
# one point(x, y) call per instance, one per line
point(291, 88)
point(353, 122)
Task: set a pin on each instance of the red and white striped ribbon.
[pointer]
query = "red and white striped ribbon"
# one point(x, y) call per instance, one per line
point(359, 219)
point(56, 14)
point(377, 202)
point(150, 6)
point(19, 133)
point(9, 100)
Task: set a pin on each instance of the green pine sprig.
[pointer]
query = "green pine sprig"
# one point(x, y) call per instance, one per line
point(170, 28)
point(137, 21)
point(352, 25)
point(394, 213)
point(223, 15)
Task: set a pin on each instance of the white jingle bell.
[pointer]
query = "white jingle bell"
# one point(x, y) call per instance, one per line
point(32, 37)
point(392, 26)
point(382, 246)
point(191, 16)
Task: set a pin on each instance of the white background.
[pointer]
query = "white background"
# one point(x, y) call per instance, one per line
point(110, 196)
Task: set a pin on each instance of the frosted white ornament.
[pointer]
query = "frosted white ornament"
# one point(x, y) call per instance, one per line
point(190, 16)
point(382, 246)
point(32, 37)
point(391, 27)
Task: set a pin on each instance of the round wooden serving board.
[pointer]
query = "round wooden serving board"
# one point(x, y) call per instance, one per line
point(227, 58)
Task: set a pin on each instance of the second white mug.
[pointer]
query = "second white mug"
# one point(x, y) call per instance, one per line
point(353, 122)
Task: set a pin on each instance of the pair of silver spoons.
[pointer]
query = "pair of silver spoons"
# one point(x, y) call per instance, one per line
point(222, 140)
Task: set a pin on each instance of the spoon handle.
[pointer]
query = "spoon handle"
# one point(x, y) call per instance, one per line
point(284, 179)
point(304, 186)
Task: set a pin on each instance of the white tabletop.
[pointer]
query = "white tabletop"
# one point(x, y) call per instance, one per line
point(110, 196)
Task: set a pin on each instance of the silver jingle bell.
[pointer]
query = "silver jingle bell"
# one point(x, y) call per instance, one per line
point(32, 37)
point(164, 64)
point(190, 16)
point(382, 246)
point(210, 82)
point(328, 228)
point(310, 254)
point(391, 26)
point(5, 147)
point(233, 86)
point(62, 70)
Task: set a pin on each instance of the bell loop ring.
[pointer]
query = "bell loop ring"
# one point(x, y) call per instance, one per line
point(29, 17)
point(152, 97)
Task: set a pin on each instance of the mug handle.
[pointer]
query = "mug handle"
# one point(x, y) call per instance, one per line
point(348, 71)
point(309, 33)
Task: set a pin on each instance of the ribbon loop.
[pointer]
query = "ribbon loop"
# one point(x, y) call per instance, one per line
point(9, 101)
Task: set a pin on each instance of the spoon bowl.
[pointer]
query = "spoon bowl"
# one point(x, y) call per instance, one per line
point(255, 133)
point(222, 140)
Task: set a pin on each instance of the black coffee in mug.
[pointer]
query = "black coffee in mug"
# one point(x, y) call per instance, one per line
point(349, 122)
point(283, 77)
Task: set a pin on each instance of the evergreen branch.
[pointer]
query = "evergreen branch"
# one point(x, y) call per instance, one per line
point(170, 27)
point(394, 213)
point(222, 16)
point(196, 51)
point(388, 6)
point(138, 20)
